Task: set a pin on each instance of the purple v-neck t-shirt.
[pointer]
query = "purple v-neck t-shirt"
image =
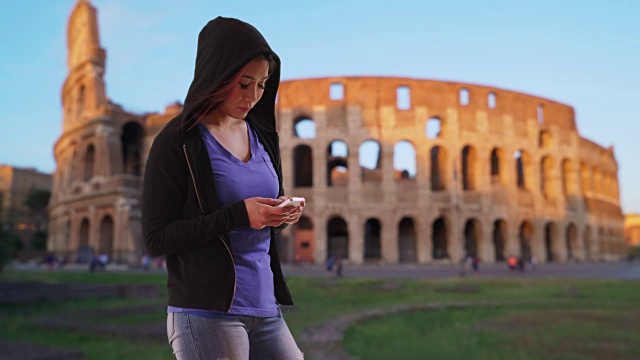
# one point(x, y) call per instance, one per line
point(236, 180)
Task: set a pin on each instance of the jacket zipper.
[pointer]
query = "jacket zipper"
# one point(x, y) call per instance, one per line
point(195, 187)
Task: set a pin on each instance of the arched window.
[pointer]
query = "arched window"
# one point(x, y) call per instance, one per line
point(472, 236)
point(545, 140)
point(304, 128)
point(337, 238)
point(372, 243)
point(106, 237)
point(438, 168)
point(526, 236)
point(403, 98)
point(336, 91)
point(498, 175)
point(440, 246)
point(547, 185)
point(369, 161)
point(337, 164)
point(404, 160)
point(132, 140)
point(491, 100)
point(469, 181)
point(80, 103)
point(540, 112)
point(499, 239)
point(550, 242)
point(407, 241)
point(523, 164)
point(433, 128)
point(302, 166)
point(89, 163)
point(464, 96)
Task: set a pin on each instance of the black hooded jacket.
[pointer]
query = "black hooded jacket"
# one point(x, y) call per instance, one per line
point(181, 215)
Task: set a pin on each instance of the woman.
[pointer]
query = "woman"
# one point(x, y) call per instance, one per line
point(211, 187)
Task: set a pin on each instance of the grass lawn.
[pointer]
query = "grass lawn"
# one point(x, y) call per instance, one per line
point(552, 319)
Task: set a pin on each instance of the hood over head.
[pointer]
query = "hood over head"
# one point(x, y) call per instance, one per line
point(225, 45)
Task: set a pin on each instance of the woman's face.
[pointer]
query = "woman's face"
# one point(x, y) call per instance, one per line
point(246, 94)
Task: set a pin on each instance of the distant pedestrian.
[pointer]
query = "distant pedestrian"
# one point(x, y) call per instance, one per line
point(330, 262)
point(475, 263)
point(339, 265)
point(512, 261)
point(534, 261)
point(145, 262)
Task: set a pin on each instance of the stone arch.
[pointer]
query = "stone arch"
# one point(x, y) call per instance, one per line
point(550, 241)
point(132, 141)
point(498, 175)
point(499, 239)
point(407, 240)
point(547, 177)
point(526, 236)
point(588, 243)
point(469, 166)
point(302, 166)
point(337, 164)
point(304, 127)
point(370, 161)
point(601, 244)
point(84, 250)
point(372, 244)
point(89, 163)
point(571, 241)
point(438, 168)
point(303, 240)
point(337, 238)
point(545, 140)
point(404, 160)
point(439, 238)
point(523, 169)
point(472, 238)
point(106, 240)
point(434, 128)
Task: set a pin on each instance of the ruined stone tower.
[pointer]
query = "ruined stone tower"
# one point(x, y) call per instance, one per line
point(94, 203)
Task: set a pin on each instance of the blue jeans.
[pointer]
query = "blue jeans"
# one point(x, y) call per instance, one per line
point(241, 338)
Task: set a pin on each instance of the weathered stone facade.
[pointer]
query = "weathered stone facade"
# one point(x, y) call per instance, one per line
point(632, 229)
point(96, 189)
point(496, 172)
point(15, 186)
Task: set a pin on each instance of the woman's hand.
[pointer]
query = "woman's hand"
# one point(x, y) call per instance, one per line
point(264, 212)
point(294, 215)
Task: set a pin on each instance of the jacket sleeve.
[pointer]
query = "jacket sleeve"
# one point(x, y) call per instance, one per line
point(167, 186)
point(278, 169)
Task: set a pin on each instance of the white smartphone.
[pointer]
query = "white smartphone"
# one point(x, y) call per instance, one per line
point(292, 201)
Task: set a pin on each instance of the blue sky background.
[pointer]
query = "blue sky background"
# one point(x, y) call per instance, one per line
point(582, 53)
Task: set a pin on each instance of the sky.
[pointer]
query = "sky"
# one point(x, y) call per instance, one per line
point(585, 54)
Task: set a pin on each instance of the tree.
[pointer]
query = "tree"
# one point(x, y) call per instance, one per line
point(37, 202)
point(9, 242)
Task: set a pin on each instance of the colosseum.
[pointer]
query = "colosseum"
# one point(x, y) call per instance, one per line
point(393, 170)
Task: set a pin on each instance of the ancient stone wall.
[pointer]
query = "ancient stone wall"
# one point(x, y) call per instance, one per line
point(506, 174)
